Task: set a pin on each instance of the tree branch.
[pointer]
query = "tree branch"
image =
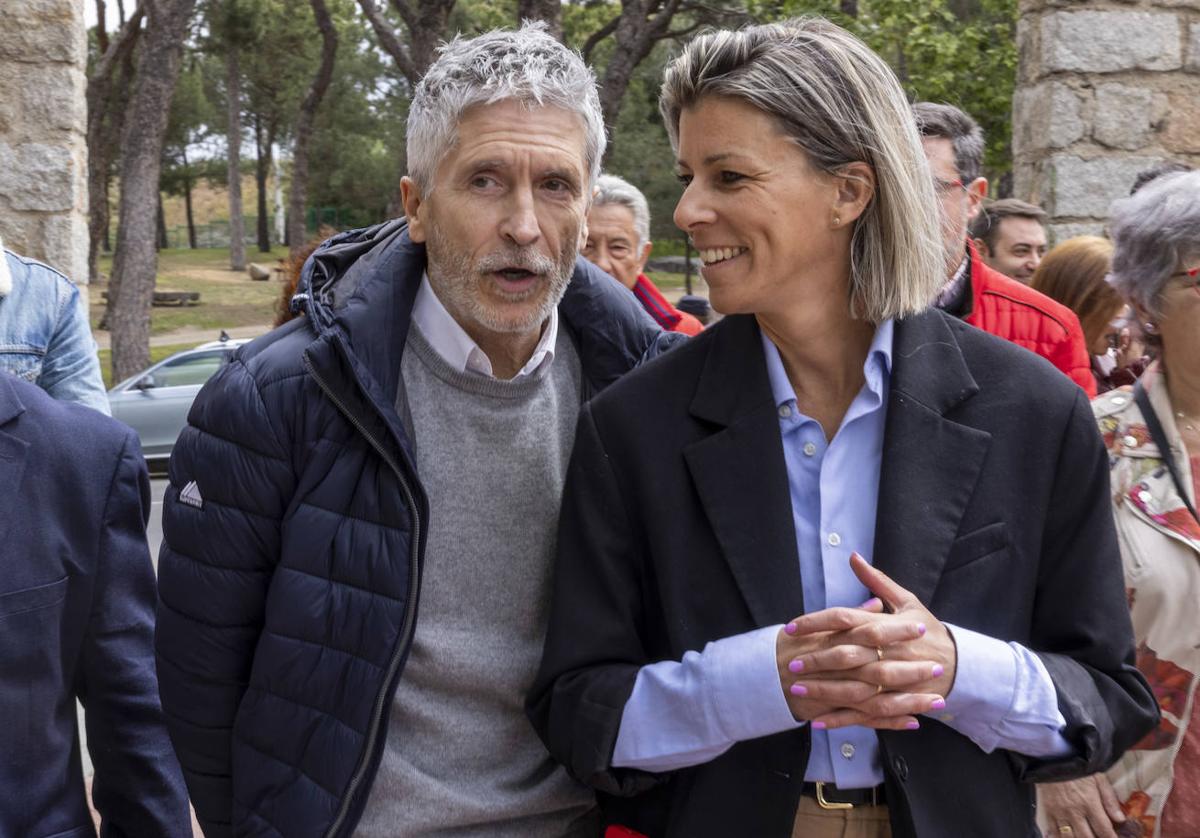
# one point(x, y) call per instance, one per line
point(596, 37)
point(406, 13)
point(388, 40)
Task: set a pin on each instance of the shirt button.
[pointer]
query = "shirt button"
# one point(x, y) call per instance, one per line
point(848, 751)
point(809, 449)
point(784, 411)
point(834, 539)
point(1130, 441)
point(1118, 400)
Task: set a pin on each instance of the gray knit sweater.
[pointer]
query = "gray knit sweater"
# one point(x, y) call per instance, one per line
point(461, 758)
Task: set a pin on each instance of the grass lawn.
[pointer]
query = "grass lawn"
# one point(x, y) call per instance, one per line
point(227, 299)
point(157, 353)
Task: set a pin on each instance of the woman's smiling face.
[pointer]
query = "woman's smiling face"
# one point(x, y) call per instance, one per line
point(760, 215)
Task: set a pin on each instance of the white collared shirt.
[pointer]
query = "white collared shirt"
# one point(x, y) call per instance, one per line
point(456, 347)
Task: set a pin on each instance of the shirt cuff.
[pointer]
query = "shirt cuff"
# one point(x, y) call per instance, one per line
point(745, 688)
point(984, 683)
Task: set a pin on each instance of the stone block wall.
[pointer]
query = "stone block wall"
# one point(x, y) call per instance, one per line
point(43, 133)
point(1105, 89)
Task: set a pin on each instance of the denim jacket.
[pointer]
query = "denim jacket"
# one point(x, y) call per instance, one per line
point(44, 333)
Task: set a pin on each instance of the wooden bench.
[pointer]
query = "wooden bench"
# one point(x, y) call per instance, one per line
point(169, 298)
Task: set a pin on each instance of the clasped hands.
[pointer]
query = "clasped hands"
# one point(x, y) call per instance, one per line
point(865, 666)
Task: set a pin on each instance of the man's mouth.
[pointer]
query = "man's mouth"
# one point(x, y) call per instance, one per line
point(717, 255)
point(515, 274)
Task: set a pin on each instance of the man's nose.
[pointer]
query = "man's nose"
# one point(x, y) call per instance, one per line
point(521, 224)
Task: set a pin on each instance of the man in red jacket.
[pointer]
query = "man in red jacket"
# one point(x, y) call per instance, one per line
point(618, 243)
point(978, 294)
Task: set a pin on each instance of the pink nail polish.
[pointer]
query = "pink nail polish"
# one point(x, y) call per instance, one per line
point(796, 666)
point(938, 704)
point(870, 603)
point(938, 669)
point(921, 629)
point(799, 689)
point(790, 628)
point(913, 725)
point(818, 725)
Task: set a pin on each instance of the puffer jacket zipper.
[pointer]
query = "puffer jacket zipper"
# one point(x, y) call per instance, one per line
point(410, 607)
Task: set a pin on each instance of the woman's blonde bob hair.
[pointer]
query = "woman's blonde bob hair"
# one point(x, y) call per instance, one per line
point(840, 103)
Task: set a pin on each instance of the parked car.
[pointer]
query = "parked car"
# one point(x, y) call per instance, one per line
point(156, 401)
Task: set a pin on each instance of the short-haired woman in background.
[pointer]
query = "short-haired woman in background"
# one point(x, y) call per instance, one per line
point(1075, 274)
point(929, 499)
point(1154, 790)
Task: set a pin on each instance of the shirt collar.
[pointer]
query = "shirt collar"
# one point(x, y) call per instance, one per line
point(952, 290)
point(877, 367)
point(455, 346)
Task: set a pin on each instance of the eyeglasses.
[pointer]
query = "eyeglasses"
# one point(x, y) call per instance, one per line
point(1193, 278)
point(945, 187)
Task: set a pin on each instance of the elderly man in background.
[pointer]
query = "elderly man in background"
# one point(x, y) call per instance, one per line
point(1010, 237)
point(618, 243)
point(407, 439)
point(974, 292)
point(44, 333)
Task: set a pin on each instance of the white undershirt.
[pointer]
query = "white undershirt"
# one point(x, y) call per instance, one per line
point(451, 341)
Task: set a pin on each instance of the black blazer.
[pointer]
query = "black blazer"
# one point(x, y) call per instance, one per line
point(77, 621)
point(677, 530)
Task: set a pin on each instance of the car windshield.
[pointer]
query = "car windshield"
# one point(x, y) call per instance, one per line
point(190, 369)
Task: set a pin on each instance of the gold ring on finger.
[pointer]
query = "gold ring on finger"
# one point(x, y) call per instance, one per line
point(879, 652)
point(1065, 829)
point(878, 689)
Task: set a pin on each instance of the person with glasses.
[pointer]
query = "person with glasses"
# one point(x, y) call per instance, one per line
point(1152, 431)
point(975, 292)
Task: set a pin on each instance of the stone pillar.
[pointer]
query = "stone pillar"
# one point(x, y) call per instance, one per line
point(43, 133)
point(1104, 90)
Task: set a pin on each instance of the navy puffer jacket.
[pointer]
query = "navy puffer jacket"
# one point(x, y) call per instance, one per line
point(289, 571)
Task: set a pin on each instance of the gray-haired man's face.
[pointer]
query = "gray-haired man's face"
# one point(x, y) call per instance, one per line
point(502, 225)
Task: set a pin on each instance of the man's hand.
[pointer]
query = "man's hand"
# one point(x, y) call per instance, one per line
point(864, 667)
point(1087, 808)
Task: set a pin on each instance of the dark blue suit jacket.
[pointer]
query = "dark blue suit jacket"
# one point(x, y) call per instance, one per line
point(77, 602)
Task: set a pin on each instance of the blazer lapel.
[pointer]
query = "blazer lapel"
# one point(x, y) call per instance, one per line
point(930, 463)
point(740, 474)
point(12, 452)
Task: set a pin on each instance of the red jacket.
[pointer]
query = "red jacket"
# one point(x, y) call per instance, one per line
point(1028, 318)
point(665, 314)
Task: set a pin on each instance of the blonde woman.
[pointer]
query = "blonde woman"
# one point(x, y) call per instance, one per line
point(1153, 437)
point(841, 565)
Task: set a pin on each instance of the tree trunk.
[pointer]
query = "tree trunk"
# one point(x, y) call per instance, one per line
point(233, 95)
point(426, 29)
point(162, 241)
point(262, 163)
point(135, 262)
point(103, 132)
point(101, 27)
point(547, 11)
point(187, 202)
point(304, 126)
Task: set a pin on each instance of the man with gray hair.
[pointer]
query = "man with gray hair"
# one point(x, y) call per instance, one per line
point(405, 441)
point(618, 243)
point(974, 291)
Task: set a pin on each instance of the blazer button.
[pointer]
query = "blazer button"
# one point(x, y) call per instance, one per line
point(901, 767)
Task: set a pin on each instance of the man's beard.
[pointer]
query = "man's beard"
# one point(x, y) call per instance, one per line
point(459, 281)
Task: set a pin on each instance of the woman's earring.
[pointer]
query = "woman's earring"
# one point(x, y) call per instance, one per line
point(1150, 327)
point(837, 220)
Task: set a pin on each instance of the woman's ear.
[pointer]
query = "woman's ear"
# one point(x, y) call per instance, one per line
point(855, 185)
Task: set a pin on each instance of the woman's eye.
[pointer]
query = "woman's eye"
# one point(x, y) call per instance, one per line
point(730, 177)
point(682, 178)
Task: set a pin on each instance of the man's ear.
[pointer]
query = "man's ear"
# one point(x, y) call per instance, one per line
point(982, 247)
point(977, 191)
point(410, 197)
point(646, 248)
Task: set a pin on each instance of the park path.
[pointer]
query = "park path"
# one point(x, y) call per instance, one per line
point(189, 335)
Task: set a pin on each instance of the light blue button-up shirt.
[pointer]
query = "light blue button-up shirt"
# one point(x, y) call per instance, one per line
point(687, 712)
